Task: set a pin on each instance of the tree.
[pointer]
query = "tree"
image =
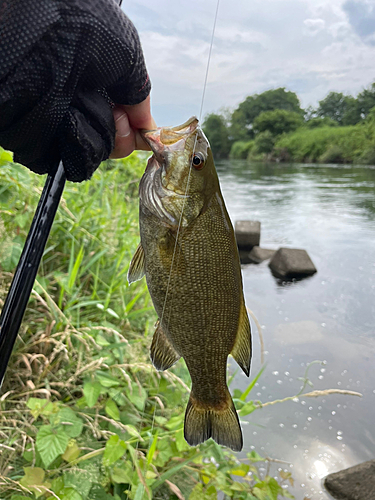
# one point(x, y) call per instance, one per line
point(320, 121)
point(216, 130)
point(278, 121)
point(264, 142)
point(366, 100)
point(243, 117)
point(339, 107)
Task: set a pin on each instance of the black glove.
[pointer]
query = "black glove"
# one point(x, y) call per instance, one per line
point(63, 63)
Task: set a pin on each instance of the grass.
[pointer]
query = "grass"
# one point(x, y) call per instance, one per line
point(352, 144)
point(83, 414)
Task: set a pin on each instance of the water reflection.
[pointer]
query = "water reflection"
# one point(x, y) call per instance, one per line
point(330, 212)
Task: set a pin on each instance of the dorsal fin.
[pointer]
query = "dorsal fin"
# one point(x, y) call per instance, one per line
point(241, 351)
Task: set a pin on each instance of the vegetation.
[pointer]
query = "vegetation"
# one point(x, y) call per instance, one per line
point(219, 139)
point(83, 414)
point(272, 126)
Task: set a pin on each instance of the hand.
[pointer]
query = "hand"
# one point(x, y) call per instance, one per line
point(70, 61)
point(128, 121)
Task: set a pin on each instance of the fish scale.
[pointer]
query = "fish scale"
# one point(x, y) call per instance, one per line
point(193, 274)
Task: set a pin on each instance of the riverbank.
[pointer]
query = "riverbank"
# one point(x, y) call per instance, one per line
point(83, 414)
point(351, 144)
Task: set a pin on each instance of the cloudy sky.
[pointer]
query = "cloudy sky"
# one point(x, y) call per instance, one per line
point(308, 46)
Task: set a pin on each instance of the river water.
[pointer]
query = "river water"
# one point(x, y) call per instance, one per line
point(328, 210)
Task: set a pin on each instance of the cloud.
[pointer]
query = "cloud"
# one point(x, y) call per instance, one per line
point(314, 25)
point(361, 16)
point(258, 45)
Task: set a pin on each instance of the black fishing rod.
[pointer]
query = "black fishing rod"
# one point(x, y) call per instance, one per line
point(27, 268)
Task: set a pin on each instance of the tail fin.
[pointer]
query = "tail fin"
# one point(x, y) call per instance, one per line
point(222, 424)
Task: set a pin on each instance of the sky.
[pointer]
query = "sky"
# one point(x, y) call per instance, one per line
point(311, 47)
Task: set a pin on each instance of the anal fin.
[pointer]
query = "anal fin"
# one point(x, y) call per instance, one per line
point(137, 265)
point(241, 351)
point(163, 354)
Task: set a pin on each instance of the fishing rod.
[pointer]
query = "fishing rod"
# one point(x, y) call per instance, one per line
point(27, 268)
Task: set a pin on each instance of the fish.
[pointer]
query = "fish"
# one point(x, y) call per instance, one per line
point(189, 255)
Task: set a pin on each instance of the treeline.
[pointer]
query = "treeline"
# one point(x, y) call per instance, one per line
point(273, 126)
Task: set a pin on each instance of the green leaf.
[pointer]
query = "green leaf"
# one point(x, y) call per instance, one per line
point(72, 424)
point(5, 156)
point(122, 474)
point(240, 470)
point(51, 442)
point(114, 450)
point(251, 385)
point(197, 492)
point(247, 409)
point(74, 271)
point(97, 492)
point(151, 451)
point(254, 457)
point(180, 441)
point(262, 491)
point(112, 410)
point(175, 422)
point(133, 431)
point(69, 494)
point(91, 391)
point(81, 481)
point(72, 452)
point(106, 380)
point(138, 397)
point(210, 493)
point(34, 476)
point(140, 493)
point(41, 407)
point(170, 472)
point(274, 487)
point(163, 453)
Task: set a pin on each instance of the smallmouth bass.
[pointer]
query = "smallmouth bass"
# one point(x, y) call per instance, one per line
point(189, 256)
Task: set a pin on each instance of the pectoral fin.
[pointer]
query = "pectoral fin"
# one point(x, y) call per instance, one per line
point(241, 351)
point(137, 265)
point(163, 354)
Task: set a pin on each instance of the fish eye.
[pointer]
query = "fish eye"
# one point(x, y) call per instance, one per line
point(198, 161)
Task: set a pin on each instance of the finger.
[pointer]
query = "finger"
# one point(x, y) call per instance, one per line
point(125, 135)
point(140, 115)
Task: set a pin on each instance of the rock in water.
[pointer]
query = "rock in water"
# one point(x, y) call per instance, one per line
point(292, 263)
point(247, 233)
point(256, 255)
point(355, 483)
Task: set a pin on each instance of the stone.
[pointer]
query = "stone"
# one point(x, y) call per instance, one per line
point(355, 483)
point(256, 255)
point(247, 233)
point(292, 263)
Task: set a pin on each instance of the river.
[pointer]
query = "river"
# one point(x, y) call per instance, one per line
point(329, 210)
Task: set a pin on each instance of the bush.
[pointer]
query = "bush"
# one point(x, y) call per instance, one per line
point(310, 145)
point(278, 121)
point(321, 122)
point(333, 154)
point(241, 149)
point(264, 142)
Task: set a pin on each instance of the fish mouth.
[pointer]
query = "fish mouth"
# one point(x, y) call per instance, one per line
point(165, 139)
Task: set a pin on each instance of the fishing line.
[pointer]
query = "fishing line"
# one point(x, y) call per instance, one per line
point(191, 165)
point(181, 216)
